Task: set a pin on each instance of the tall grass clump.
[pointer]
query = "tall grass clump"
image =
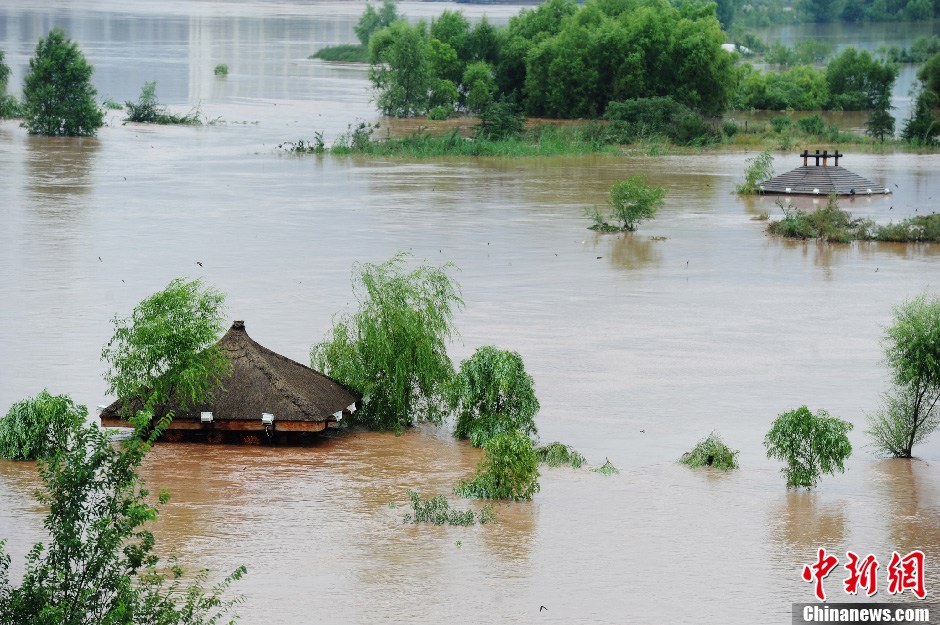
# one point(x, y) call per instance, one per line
point(147, 110)
point(221, 70)
point(556, 454)
point(35, 427)
point(711, 452)
point(437, 511)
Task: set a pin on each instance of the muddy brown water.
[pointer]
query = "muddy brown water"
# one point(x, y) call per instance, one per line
point(639, 344)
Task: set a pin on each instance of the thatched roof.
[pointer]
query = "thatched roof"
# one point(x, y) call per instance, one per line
point(262, 381)
point(822, 179)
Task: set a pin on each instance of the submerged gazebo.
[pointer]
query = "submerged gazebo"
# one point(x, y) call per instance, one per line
point(821, 179)
point(265, 393)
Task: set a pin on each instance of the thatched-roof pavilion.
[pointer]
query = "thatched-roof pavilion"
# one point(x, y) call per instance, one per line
point(264, 393)
point(824, 179)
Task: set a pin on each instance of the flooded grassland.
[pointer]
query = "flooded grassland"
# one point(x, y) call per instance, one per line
point(640, 344)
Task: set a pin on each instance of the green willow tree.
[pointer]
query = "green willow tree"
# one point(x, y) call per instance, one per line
point(810, 444)
point(163, 355)
point(400, 69)
point(59, 98)
point(509, 470)
point(37, 426)
point(910, 412)
point(393, 350)
point(492, 394)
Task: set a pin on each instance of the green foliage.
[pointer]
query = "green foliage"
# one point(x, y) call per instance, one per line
point(923, 126)
point(780, 123)
point(811, 445)
point(607, 468)
point(651, 118)
point(444, 96)
point(112, 105)
point(400, 69)
point(859, 82)
point(929, 74)
point(492, 394)
point(759, 168)
point(480, 86)
point(147, 110)
point(922, 49)
point(500, 120)
point(373, 20)
point(9, 106)
point(912, 352)
point(99, 565)
point(813, 125)
point(164, 355)
point(221, 70)
point(437, 511)
point(880, 122)
point(509, 470)
point(303, 146)
point(917, 229)
point(393, 349)
point(632, 201)
point(36, 427)
point(711, 452)
point(556, 454)
point(343, 53)
point(828, 223)
point(59, 98)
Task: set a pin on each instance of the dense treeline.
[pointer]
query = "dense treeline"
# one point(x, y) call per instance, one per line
point(768, 12)
point(557, 60)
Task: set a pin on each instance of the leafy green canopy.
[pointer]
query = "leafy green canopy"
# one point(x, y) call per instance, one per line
point(36, 427)
point(632, 201)
point(492, 394)
point(373, 20)
point(164, 353)
point(912, 351)
point(400, 69)
point(59, 98)
point(393, 350)
point(811, 445)
point(557, 453)
point(759, 169)
point(98, 566)
point(509, 470)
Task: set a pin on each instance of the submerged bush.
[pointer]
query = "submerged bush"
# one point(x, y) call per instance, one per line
point(828, 223)
point(556, 454)
point(758, 169)
point(147, 110)
point(607, 468)
point(36, 427)
point(509, 470)
point(711, 452)
point(343, 53)
point(221, 69)
point(437, 511)
point(630, 202)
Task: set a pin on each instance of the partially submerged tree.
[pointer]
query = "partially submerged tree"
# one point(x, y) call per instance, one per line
point(9, 107)
point(400, 69)
point(911, 411)
point(163, 354)
point(373, 20)
point(492, 394)
point(37, 426)
point(630, 202)
point(711, 451)
point(810, 444)
point(759, 168)
point(59, 98)
point(393, 349)
point(509, 470)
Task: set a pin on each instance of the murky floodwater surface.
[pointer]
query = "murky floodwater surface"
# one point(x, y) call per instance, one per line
point(639, 344)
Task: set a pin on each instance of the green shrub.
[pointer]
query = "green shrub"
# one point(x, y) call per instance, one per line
point(439, 113)
point(437, 511)
point(828, 223)
point(811, 445)
point(492, 394)
point(59, 98)
point(780, 123)
point(632, 201)
point(509, 470)
point(556, 454)
point(711, 452)
point(9, 106)
point(221, 70)
point(759, 168)
point(648, 118)
point(729, 128)
point(147, 110)
point(36, 427)
point(917, 229)
point(112, 105)
point(500, 120)
point(813, 125)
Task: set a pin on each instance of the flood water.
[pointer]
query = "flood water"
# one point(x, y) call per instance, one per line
point(639, 344)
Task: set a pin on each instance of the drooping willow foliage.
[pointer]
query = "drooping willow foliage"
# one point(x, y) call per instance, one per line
point(711, 451)
point(35, 427)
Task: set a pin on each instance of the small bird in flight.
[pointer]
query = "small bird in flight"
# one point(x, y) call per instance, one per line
point(199, 263)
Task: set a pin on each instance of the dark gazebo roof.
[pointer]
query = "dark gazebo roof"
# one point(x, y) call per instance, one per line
point(824, 179)
point(263, 382)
